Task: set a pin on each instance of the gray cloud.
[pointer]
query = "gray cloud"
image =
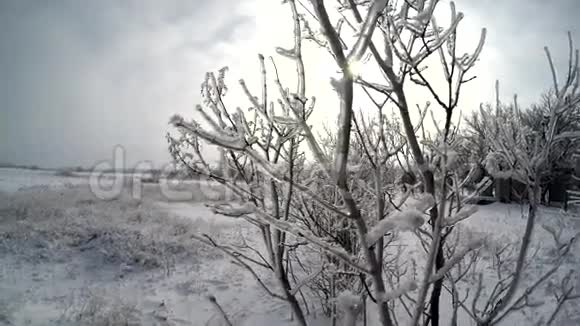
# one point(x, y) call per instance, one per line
point(78, 77)
point(517, 32)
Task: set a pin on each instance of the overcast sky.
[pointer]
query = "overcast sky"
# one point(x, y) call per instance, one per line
point(78, 77)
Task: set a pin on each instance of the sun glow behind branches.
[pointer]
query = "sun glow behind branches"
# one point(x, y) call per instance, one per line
point(274, 28)
point(355, 68)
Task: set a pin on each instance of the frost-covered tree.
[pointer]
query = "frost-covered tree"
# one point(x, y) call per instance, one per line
point(537, 117)
point(326, 208)
point(526, 153)
point(482, 127)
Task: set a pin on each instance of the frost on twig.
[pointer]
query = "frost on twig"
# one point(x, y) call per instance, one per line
point(406, 220)
point(455, 259)
point(404, 288)
point(233, 210)
point(307, 279)
point(218, 137)
point(300, 232)
point(463, 214)
point(366, 32)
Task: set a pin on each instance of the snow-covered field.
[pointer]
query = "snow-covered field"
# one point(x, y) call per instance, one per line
point(68, 258)
point(12, 180)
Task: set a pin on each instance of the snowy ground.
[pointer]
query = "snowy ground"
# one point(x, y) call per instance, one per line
point(12, 180)
point(67, 258)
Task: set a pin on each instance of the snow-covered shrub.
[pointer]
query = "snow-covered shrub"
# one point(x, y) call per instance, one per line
point(95, 307)
point(54, 225)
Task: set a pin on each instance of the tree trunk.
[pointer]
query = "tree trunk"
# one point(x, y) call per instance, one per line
point(278, 257)
point(437, 287)
point(439, 258)
point(294, 305)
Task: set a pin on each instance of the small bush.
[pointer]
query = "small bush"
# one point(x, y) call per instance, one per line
point(93, 307)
